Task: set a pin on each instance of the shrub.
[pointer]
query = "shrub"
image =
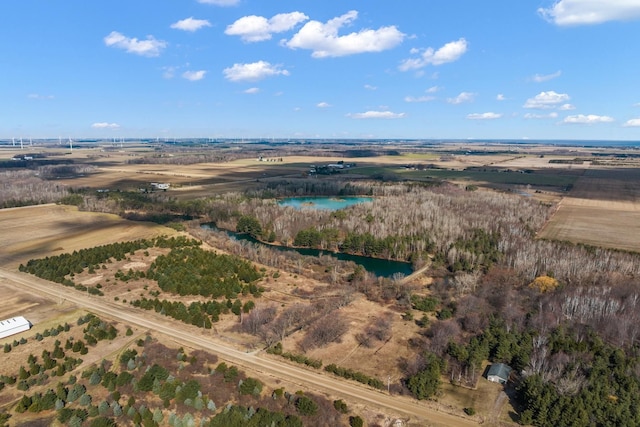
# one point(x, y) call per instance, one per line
point(425, 304)
point(230, 374)
point(356, 421)
point(444, 314)
point(251, 386)
point(306, 406)
point(276, 349)
point(340, 406)
point(354, 375)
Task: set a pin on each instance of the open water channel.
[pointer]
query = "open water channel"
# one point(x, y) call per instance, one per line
point(377, 266)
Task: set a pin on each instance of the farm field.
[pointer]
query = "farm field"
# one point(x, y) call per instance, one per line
point(39, 231)
point(39, 310)
point(602, 209)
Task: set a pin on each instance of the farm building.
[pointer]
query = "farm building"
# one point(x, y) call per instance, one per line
point(160, 185)
point(499, 373)
point(13, 326)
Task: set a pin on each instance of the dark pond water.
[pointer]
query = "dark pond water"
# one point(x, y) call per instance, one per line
point(379, 267)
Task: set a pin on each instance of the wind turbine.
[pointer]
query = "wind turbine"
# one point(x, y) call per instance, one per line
point(13, 142)
point(70, 144)
point(21, 146)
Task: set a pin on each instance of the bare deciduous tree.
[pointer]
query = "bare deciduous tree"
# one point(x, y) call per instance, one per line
point(260, 316)
point(329, 328)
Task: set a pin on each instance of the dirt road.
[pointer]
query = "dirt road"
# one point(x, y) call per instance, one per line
point(318, 381)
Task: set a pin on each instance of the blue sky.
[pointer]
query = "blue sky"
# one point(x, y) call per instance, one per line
point(499, 69)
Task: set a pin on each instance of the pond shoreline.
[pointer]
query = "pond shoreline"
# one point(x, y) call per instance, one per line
point(379, 266)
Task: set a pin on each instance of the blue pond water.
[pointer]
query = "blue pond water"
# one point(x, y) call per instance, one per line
point(328, 203)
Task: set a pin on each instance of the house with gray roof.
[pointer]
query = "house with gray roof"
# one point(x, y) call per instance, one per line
point(499, 373)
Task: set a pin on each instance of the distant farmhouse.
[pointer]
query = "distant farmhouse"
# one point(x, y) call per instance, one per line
point(331, 168)
point(13, 326)
point(499, 373)
point(160, 186)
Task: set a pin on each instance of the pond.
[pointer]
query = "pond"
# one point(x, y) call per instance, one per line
point(327, 203)
point(376, 266)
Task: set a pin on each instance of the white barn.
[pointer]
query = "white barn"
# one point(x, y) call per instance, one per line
point(13, 326)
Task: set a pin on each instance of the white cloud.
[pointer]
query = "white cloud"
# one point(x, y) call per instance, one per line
point(324, 41)
point(252, 90)
point(484, 116)
point(376, 115)
point(190, 24)
point(419, 98)
point(546, 100)
point(632, 123)
point(286, 21)
point(552, 115)
point(587, 119)
point(254, 28)
point(38, 96)
point(220, 2)
point(462, 98)
point(450, 52)
point(540, 78)
point(194, 75)
point(253, 71)
point(323, 105)
point(567, 107)
point(580, 12)
point(500, 97)
point(433, 89)
point(369, 87)
point(105, 125)
point(169, 72)
point(149, 47)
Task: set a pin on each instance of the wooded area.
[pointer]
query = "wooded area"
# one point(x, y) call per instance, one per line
point(564, 316)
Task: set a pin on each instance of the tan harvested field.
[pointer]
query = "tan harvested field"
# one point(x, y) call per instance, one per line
point(34, 307)
point(602, 209)
point(39, 231)
point(187, 181)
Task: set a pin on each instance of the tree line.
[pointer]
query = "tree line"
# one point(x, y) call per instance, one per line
point(60, 268)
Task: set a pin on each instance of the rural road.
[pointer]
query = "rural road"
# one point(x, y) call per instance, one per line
point(402, 407)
